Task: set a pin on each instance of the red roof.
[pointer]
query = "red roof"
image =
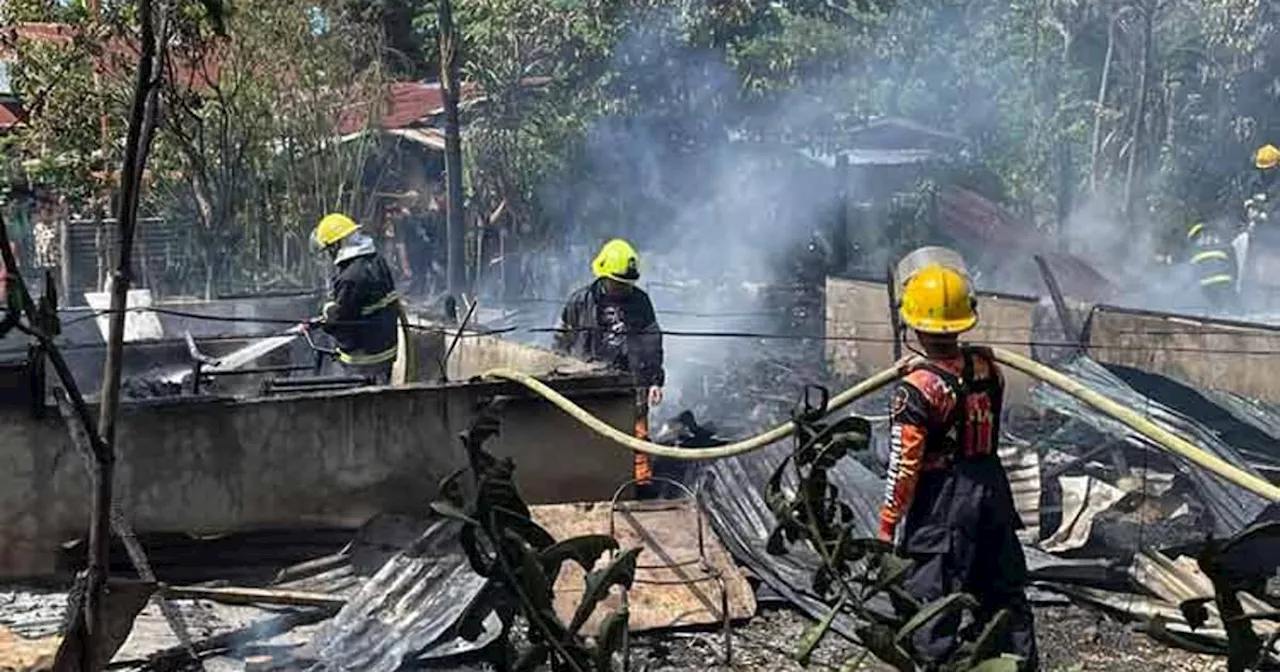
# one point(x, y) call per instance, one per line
point(116, 56)
point(404, 104)
point(10, 115)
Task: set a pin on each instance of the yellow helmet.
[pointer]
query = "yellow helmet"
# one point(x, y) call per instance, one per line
point(1266, 157)
point(938, 300)
point(618, 261)
point(332, 229)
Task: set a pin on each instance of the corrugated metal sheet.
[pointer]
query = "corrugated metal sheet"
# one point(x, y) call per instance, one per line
point(1021, 462)
point(877, 157)
point(1232, 507)
point(411, 606)
point(735, 504)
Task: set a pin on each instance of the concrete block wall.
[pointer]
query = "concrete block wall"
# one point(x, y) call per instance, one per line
point(858, 312)
point(1212, 354)
point(338, 458)
point(1206, 353)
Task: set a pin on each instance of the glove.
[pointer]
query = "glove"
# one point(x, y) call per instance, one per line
point(655, 395)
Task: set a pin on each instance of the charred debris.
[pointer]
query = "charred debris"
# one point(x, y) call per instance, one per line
point(1112, 524)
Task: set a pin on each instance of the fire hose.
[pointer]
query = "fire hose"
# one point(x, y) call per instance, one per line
point(1157, 434)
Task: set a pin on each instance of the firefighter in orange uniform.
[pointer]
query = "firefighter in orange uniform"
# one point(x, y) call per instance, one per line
point(948, 505)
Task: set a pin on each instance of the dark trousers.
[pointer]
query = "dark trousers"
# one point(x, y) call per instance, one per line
point(380, 373)
point(963, 540)
point(1221, 297)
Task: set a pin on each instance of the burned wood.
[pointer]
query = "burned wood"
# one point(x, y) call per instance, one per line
point(444, 361)
point(174, 658)
point(1069, 329)
point(894, 320)
point(137, 556)
point(311, 568)
point(141, 129)
point(236, 595)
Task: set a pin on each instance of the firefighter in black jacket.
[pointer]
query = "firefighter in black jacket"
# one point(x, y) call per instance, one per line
point(613, 321)
point(363, 308)
point(1213, 261)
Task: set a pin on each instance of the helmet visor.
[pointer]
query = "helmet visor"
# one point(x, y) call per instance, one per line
point(926, 256)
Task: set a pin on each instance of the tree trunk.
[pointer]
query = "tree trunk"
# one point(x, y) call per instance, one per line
point(1095, 146)
point(450, 85)
point(142, 121)
point(1131, 194)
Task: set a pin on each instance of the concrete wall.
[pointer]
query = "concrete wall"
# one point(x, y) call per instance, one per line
point(476, 354)
point(205, 466)
point(1203, 353)
point(858, 311)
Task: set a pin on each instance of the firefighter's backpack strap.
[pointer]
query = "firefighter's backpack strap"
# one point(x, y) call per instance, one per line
point(955, 424)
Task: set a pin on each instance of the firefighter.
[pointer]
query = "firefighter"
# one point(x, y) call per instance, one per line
point(948, 505)
point(1213, 262)
point(1265, 159)
point(613, 322)
point(363, 308)
point(1258, 206)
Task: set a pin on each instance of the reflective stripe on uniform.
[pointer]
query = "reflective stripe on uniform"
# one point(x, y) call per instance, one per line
point(1216, 280)
point(1197, 228)
point(380, 304)
point(329, 311)
point(360, 358)
point(1210, 255)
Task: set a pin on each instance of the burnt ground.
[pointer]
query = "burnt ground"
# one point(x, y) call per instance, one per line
point(1071, 639)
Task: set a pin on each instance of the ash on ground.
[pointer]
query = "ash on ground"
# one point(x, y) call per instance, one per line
point(1071, 639)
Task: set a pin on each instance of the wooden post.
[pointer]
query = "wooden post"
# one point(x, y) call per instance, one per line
point(142, 119)
point(450, 87)
point(894, 322)
point(1069, 329)
point(64, 254)
point(840, 233)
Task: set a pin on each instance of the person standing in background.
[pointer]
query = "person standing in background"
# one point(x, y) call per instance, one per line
point(4, 273)
point(1212, 259)
point(46, 234)
point(417, 236)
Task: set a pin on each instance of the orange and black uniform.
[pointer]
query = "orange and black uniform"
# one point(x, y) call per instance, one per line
point(948, 503)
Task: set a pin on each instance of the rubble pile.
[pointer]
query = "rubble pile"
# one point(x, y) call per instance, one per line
point(1112, 524)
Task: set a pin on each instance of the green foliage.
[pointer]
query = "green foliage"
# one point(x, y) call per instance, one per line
point(808, 510)
point(1061, 103)
point(522, 561)
point(247, 151)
